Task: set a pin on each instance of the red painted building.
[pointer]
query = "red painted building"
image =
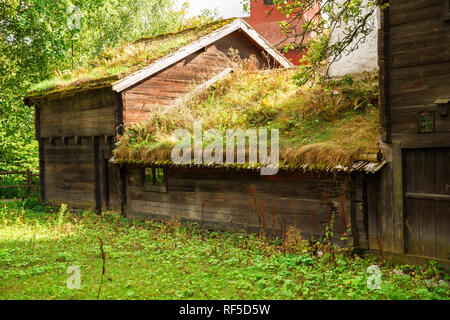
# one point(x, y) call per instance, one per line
point(265, 18)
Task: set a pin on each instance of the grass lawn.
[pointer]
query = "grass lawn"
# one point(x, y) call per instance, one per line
point(149, 260)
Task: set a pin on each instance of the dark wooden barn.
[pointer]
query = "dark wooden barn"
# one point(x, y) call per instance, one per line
point(309, 195)
point(412, 216)
point(77, 124)
point(397, 204)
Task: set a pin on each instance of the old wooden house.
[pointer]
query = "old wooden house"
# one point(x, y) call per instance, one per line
point(412, 213)
point(103, 141)
point(78, 120)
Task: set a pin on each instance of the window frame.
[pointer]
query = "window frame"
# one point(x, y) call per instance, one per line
point(446, 10)
point(153, 186)
point(419, 129)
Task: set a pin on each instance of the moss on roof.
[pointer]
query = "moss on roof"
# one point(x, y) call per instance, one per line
point(116, 63)
point(322, 126)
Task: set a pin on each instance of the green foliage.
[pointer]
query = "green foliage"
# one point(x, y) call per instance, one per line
point(38, 42)
point(152, 260)
point(310, 24)
point(114, 63)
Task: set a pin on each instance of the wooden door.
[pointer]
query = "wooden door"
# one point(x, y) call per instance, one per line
point(427, 202)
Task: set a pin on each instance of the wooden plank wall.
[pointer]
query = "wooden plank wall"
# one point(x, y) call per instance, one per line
point(233, 200)
point(168, 85)
point(70, 173)
point(415, 60)
point(380, 214)
point(86, 114)
point(428, 220)
point(419, 68)
point(67, 128)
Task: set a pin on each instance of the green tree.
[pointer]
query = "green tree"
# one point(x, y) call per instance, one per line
point(39, 38)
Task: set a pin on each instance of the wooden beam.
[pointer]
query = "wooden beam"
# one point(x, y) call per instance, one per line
point(37, 121)
point(97, 190)
point(123, 191)
point(42, 170)
point(372, 215)
point(383, 79)
point(263, 43)
point(398, 200)
point(37, 124)
point(107, 185)
point(365, 195)
point(353, 217)
point(427, 196)
point(119, 115)
point(13, 187)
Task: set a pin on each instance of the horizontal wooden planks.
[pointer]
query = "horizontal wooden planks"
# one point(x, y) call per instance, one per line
point(89, 113)
point(229, 198)
point(164, 88)
point(419, 67)
point(402, 12)
point(405, 119)
point(69, 173)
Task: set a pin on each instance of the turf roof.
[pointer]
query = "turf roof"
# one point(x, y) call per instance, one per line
point(117, 63)
point(322, 126)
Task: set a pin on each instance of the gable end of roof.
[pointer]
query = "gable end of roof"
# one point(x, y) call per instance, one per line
point(205, 41)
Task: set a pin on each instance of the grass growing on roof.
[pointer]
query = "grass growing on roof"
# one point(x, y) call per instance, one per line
point(126, 59)
point(324, 125)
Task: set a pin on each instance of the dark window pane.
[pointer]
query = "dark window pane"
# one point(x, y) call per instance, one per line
point(159, 176)
point(426, 122)
point(154, 176)
point(149, 175)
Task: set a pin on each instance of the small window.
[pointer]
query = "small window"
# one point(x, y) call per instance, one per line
point(155, 179)
point(447, 10)
point(426, 122)
point(268, 2)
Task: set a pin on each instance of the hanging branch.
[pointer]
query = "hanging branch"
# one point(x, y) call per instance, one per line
point(309, 25)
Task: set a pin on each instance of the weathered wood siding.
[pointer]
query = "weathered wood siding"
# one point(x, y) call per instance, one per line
point(380, 219)
point(162, 89)
point(67, 128)
point(69, 171)
point(85, 114)
point(415, 65)
point(427, 202)
point(419, 69)
point(234, 200)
